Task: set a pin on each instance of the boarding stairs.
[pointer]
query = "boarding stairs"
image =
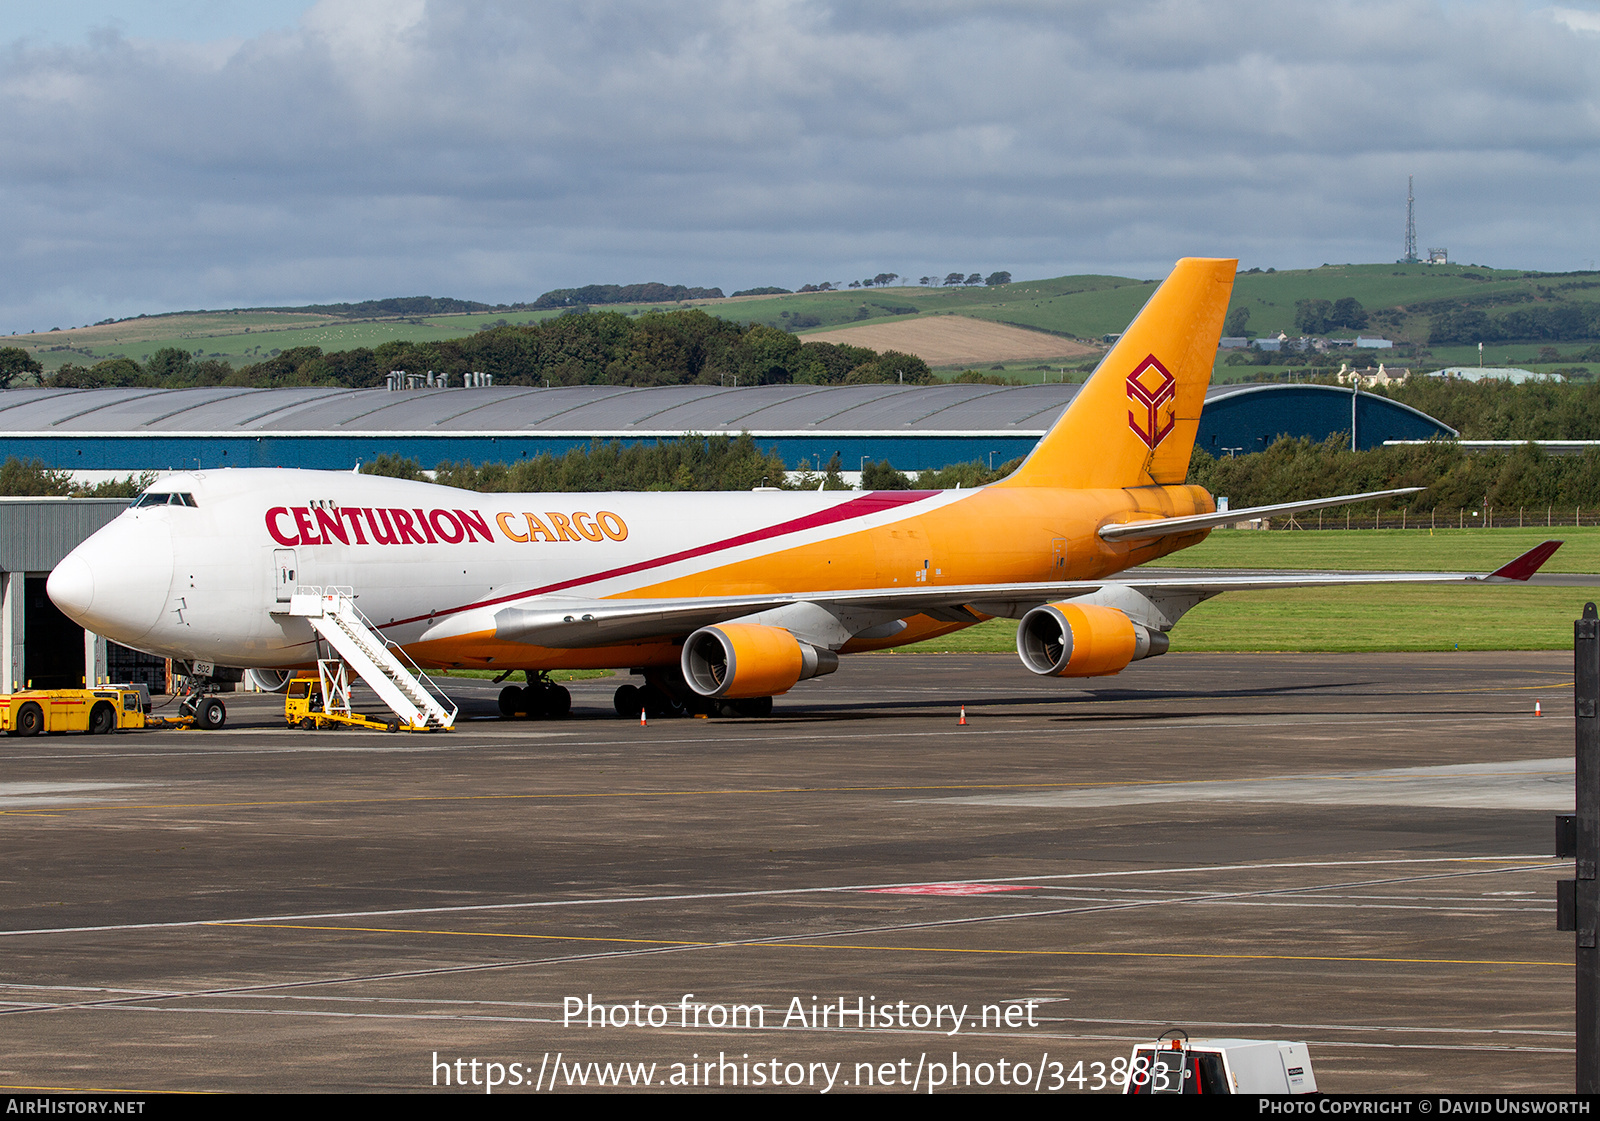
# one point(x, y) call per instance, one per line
point(410, 694)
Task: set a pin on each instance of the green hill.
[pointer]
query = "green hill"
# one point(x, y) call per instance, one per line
point(1406, 303)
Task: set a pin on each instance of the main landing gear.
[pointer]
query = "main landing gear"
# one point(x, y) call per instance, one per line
point(666, 694)
point(541, 699)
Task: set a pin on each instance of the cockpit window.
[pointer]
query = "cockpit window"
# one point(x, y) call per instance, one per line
point(152, 498)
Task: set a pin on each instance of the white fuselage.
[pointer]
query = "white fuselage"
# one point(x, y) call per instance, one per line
point(210, 580)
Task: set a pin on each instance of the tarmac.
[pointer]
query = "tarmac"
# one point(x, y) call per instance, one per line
point(1348, 850)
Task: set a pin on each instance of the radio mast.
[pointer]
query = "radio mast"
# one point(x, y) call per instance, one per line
point(1411, 226)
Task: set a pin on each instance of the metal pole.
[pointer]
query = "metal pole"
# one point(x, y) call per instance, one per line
point(1355, 394)
point(1586, 694)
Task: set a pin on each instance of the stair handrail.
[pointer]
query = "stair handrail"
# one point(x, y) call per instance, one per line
point(439, 696)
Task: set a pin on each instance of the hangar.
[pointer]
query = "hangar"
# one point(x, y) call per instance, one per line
point(913, 427)
point(43, 648)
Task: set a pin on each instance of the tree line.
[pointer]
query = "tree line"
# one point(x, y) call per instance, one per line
point(1290, 469)
point(1562, 322)
point(1452, 478)
point(714, 463)
point(651, 293)
point(1503, 410)
point(588, 348)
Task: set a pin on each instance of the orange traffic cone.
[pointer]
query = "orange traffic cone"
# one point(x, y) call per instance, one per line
point(641, 718)
point(963, 719)
point(1536, 710)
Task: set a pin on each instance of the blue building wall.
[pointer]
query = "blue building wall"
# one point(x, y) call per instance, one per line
point(1250, 421)
point(97, 452)
point(1246, 421)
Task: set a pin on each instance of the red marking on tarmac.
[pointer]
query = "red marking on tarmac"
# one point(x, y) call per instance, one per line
point(951, 889)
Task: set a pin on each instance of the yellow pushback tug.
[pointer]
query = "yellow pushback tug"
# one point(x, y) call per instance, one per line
point(98, 711)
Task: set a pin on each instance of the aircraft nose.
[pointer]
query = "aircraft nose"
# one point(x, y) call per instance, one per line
point(116, 583)
point(71, 586)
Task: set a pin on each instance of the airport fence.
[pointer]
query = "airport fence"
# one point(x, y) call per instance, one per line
point(1463, 517)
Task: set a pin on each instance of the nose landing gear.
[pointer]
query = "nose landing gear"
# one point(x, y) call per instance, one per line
point(195, 701)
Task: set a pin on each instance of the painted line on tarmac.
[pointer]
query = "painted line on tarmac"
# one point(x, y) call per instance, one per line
point(814, 942)
point(1080, 1037)
point(1490, 865)
point(822, 941)
point(1402, 1029)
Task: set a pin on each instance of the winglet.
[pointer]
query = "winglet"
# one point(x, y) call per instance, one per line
point(1527, 564)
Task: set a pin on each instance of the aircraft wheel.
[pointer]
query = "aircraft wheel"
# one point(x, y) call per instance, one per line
point(557, 703)
point(627, 701)
point(30, 720)
point(659, 703)
point(511, 700)
point(210, 714)
point(102, 720)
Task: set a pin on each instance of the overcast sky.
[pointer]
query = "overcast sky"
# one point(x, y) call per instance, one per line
point(171, 155)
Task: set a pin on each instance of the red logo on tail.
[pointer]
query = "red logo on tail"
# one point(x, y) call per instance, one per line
point(1149, 387)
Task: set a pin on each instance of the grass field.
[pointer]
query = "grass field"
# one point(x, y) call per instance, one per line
point(1318, 620)
point(1078, 306)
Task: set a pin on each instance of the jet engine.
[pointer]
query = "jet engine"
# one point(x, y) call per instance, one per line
point(1083, 640)
point(734, 660)
point(268, 680)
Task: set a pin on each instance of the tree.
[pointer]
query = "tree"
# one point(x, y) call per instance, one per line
point(955, 278)
point(394, 466)
point(884, 278)
point(1313, 317)
point(767, 356)
point(111, 372)
point(32, 478)
point(1348, 312)
point(995, 279)
point(881, 476)
point(1237, 319)
point(925, 281)
point(14, 363)
point(973, 279)
point(171, 366)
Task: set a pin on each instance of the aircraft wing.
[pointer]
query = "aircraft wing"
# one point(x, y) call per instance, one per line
point(570, 622)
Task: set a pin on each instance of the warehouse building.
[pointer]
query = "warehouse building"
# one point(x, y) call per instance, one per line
point(913, 427)
point(43, 648)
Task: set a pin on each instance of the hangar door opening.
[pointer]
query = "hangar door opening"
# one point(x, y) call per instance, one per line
point(53, 642)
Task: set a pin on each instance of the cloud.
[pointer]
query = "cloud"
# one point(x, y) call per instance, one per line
point(496, 149)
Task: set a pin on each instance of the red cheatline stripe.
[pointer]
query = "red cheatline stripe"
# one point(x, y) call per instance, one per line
point(872, 503)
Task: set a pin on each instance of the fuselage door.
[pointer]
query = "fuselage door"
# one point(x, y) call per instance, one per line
point(283, 562)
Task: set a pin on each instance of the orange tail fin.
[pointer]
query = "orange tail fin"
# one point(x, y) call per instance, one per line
point(1133, 422)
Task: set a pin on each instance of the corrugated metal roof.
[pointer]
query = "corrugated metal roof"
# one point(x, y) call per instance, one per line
point(599, 409)
point(519, 409)
point(36, 533)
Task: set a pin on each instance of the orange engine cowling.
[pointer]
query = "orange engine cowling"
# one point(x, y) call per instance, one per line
point(1083, 640)
point(735, 660)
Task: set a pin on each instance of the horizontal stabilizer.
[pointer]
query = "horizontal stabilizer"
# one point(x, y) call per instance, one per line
point(1527, 564)
point(1166, 527)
